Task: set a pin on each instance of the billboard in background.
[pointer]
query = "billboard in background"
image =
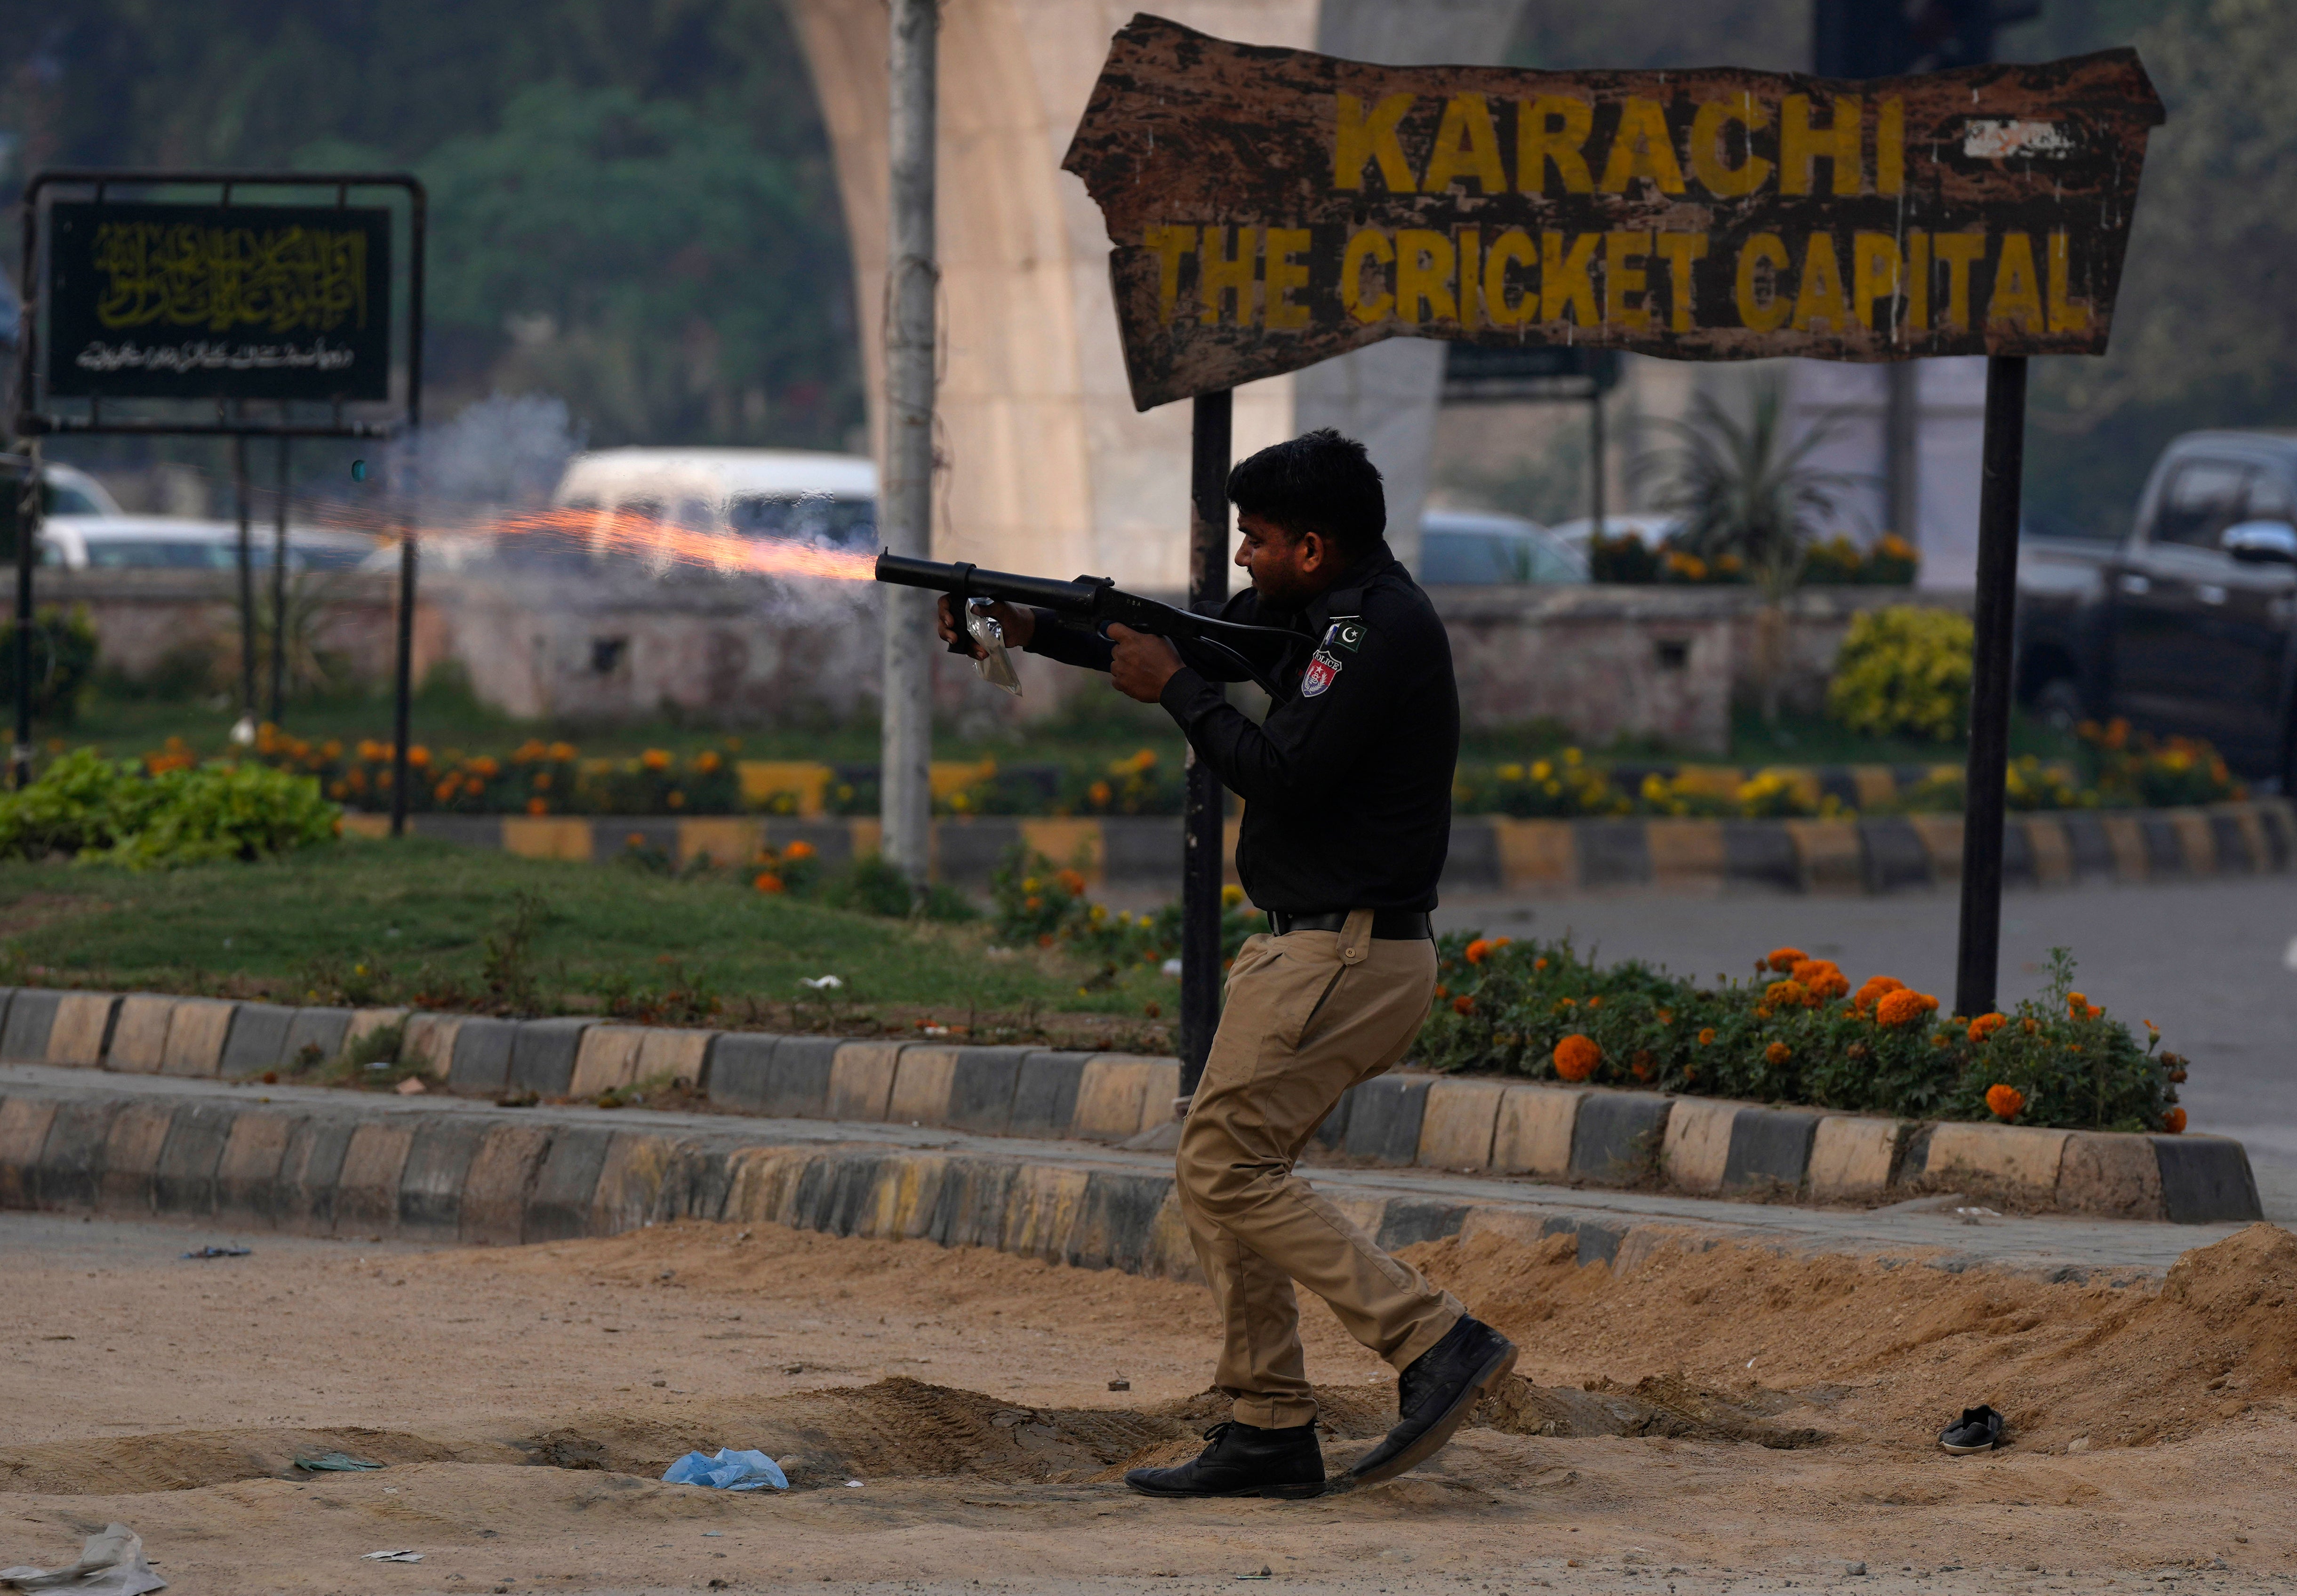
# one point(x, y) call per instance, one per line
point(1270, 208)
point(218, 301)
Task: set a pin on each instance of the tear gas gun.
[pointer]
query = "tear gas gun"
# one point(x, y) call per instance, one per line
point(1097, 602)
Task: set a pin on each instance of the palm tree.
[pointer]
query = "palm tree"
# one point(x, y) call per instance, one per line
point(1744, 486)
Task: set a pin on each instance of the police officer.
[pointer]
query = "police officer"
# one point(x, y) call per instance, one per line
point(1348, 791)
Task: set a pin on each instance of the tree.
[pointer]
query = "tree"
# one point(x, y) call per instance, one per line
point(634, 206)
point(1746, 487)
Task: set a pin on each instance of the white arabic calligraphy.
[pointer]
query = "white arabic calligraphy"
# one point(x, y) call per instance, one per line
point(203, 354)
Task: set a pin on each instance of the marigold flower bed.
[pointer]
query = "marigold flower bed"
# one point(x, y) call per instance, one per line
point(1797, 1032)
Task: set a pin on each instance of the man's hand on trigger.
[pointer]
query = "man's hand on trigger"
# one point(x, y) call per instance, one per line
point(1142, 665)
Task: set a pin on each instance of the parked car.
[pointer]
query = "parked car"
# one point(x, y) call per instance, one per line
point(754, 492)
point(2184, 626)
point(117, 542)
point(1460, 546)
point(67, 492)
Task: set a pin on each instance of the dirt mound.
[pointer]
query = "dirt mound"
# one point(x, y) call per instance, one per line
point(186, 1459)
point(1888, 1348)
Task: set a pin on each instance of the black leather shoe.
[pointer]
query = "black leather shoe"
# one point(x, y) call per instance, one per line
point(1435, 1395)
point(1243, 1460)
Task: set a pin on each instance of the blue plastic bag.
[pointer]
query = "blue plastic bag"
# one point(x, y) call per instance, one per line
point(730, 1470)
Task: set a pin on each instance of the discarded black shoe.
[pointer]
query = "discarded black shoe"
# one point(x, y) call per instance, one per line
point(1243, 1460)
point(1978, 1429)
point(1434, 1396)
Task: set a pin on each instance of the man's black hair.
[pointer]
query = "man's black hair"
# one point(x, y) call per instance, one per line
point(1317, 482)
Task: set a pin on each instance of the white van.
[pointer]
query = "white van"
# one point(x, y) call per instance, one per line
point(822, 498)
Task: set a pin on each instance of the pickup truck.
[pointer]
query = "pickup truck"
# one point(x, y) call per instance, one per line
point(2185, 626)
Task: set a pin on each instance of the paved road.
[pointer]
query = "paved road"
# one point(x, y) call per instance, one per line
point(2207, 962)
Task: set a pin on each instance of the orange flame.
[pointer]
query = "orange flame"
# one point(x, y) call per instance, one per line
point(623, 532)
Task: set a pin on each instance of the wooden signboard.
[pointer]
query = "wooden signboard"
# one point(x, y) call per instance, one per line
point(1270, 209)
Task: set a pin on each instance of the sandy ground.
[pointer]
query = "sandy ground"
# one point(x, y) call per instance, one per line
point(1722, 1421)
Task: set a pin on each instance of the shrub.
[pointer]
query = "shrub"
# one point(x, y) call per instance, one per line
point(1040, 904)
point(1543, 1010)
point(64, 657)
point(1560, 788)
point(2155, 773)
point(1624, 557)
point(1903, 673)
point(120, 813)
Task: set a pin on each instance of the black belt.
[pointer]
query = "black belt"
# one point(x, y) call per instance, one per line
point(1387, 924)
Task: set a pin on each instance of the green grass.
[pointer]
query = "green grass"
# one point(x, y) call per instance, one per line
point(434, 924)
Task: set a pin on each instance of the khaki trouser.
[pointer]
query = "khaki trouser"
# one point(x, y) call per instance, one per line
point(1307, 1017)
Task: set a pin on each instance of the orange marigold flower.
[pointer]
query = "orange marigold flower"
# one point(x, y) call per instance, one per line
point(1502, 941)
point(1803, 969)
point(706, 761)
point(1071, 882)
point(1986, 1025)
point(1787, 994)
point(2075, 1003)
point(2004, 1102)
point(1705, 1035)
point(1596, 1002)
point(1576, 1056)
point(767, 881)
point(655, 759)
point(419, 756)
point(1875, 988)
point(1441, 991)
point(1903, 1006)
point(1477, 951)
point(1100, 791)
point(1463, 1004)
point(2028, 1027)
point(1783, 959)
point(797, 850)
point(2093, 1012)
point(536, 806)
point(2174, 1122)
point(1777, 1053)
point(1539, 964)
point(561, 751)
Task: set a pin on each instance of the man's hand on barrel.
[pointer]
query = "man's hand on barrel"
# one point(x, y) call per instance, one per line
point(1019, 624)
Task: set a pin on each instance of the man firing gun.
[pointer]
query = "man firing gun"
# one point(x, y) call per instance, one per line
point(1348, 791)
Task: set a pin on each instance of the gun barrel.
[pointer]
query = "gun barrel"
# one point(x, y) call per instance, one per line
point(971, 581)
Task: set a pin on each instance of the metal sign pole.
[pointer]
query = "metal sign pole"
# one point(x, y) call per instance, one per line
point(402, 680)
point(279, 596)
point(244, 730)
point(27, 536)
point(905, 792)
point(1203, 847)
point(1976, 967)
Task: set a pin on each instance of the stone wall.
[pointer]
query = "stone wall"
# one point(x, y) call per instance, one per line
point(1645, 663)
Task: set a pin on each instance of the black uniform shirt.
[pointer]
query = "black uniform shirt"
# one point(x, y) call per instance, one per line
point(1348, 784)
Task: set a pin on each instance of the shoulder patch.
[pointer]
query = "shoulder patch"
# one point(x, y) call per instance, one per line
point(1323, 670)
point(1345, 632)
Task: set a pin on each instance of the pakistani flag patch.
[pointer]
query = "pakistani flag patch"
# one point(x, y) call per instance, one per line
point(1346, 633)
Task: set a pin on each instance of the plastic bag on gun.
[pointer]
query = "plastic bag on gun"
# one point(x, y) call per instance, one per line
point(995, 666)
